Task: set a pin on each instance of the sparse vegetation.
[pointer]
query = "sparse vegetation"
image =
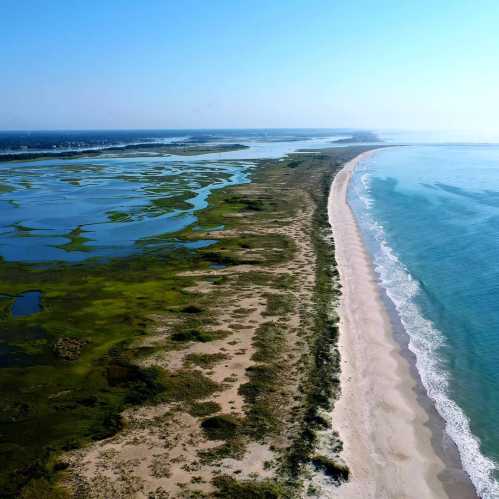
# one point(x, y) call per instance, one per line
point(205, 360)
point(263, 413)
point(229, 488)
point(201, 409)
point(223, 427)
point(193, 335)
point(278, 304)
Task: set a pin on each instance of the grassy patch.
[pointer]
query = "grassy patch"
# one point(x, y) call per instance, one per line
point(196, 335)
point(204, 360)
point(262, 413)
point(278, 304)
point(202, 409)
point(246, 203)
point(77, 242)
point(233, 448)
point(141, 384)
point(269, 341)
point(164, 205)
point(42, 489)
point(261, 391)
point(294, 163)
point(229, 488)
point(118, 216)
point(185, 386)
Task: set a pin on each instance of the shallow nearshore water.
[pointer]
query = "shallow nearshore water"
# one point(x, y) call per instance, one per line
point(455, 480)
point(401, 393)
point(420, 223)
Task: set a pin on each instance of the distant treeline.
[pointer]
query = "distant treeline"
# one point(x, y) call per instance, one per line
point(178, 146)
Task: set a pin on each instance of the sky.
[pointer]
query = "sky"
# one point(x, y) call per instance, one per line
point(404, 64)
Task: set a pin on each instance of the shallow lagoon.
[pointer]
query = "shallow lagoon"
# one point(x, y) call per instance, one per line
point(72, 209)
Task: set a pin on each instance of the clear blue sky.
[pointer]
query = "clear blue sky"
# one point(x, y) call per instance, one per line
point(249, 63)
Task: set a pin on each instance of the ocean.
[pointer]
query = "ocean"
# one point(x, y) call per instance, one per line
point(429, 215)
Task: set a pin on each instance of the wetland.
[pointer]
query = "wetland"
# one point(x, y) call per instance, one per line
point(155, 302)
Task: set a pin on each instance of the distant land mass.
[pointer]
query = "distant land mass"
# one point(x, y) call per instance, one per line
point(178, 148)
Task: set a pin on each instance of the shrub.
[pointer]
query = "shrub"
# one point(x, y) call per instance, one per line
point(229, 488)
point(186, 385)
point(192, 335)
point(192, 309)
point(334, 469)
point(221, 427)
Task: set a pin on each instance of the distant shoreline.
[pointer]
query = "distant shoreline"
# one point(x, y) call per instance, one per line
point(383, 426)
point(180, 149)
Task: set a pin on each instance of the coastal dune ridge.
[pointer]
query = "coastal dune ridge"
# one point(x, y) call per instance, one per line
point(387, 440)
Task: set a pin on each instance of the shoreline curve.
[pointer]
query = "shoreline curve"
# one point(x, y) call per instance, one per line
point(385, 432)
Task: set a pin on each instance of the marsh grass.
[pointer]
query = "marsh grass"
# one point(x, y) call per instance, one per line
point(108, 306)
point(77, 242)
point(191, 309)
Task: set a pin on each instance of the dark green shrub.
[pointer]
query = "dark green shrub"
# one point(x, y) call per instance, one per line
point(221, 427)
point(229, 488)
point(334, 469)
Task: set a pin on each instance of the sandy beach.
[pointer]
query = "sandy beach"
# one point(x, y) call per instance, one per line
point(387, 441)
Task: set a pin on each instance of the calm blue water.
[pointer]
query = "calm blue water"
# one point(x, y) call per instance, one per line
point(70, 140)
point(73, 209)
point(27, 303)
point(112, 203)
point(430, 217)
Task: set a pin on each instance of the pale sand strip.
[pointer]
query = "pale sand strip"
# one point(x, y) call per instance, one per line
point(387, 444)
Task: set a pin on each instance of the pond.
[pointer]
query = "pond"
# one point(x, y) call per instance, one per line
point(27, 303)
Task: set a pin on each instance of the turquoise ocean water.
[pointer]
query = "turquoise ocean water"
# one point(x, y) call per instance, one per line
point(430, 218)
